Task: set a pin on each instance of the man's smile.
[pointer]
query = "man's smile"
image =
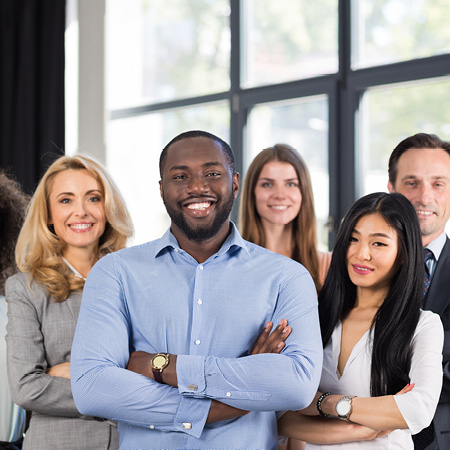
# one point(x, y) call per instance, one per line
point(199, 207)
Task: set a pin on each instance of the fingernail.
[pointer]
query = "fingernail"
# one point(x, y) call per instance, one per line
point(285, 329)
point(280, 345)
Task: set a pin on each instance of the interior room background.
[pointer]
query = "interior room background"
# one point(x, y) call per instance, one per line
point(342, 81)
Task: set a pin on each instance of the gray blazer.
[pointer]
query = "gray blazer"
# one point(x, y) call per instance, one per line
point(39, 335)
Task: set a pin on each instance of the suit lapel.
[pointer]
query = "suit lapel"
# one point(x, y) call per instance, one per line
point(438, 296)
point(74, 303)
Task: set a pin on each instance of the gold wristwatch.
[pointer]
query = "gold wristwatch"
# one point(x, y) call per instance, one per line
point(159, 362)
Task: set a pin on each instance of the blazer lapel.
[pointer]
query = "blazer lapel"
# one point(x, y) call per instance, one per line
point(74, 303)
point(438, 296)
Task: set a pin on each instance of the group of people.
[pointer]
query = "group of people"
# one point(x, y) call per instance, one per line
point(213, 338)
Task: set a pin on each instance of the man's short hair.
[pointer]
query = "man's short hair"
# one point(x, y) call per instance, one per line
point(193, 134)
point(417, 141)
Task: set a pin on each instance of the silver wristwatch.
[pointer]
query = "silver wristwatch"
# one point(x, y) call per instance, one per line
point(344, 407)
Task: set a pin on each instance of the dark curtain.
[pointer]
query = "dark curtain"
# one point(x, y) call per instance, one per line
point(31, 87)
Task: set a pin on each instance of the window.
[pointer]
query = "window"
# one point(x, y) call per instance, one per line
point(395, 30)
point(389, 113)
point(283, 42)
point(303, 124)
point(341, 81)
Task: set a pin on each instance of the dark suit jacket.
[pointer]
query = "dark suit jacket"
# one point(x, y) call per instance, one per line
point(438, 301)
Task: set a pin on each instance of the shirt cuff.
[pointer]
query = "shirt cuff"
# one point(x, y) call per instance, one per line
point(191, 375)
point(191, 416)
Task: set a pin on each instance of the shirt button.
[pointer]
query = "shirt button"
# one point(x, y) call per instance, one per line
point(197, 342)
point(187, 425)
point(228, 394)
point(200, 266)
point(199, 301)
point(152, 427)
point(176, 250)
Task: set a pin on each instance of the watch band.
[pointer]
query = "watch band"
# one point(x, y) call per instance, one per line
point(157, 375)
point(319, 402)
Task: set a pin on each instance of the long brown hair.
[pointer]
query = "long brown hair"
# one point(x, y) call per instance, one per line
point(39, 249)
point(303, 226)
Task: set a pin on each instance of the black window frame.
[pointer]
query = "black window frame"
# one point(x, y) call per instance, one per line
point(343, 89)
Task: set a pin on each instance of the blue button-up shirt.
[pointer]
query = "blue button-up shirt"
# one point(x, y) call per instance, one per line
point(157, 298)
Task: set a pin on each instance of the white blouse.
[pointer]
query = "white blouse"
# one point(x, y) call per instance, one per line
point(417, 406)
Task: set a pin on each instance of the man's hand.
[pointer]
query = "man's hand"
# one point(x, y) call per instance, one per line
point(60, 370)
point(272, 343)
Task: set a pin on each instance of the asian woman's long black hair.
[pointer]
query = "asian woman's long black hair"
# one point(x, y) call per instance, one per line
point(396, 320)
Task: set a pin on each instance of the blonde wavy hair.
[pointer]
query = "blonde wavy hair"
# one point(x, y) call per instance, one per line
point(39, 249)
point(304, 225)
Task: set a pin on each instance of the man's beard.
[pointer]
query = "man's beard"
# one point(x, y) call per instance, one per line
point(201, 233)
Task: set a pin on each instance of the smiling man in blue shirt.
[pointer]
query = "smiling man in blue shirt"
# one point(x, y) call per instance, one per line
point(199, 296)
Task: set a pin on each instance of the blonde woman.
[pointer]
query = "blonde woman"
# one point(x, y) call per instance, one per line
point(76, 216)
point(277, 209)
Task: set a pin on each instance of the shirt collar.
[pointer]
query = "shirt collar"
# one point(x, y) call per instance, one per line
point(234, 239)
point(437, 245)
point(75, 271)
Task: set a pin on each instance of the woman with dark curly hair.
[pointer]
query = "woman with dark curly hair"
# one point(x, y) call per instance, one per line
point(13, 203)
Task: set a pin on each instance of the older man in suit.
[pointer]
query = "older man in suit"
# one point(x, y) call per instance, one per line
point(419, 168)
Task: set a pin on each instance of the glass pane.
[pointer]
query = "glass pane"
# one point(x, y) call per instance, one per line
point(134, 146)
point(288, 40)
point(390, 31)
point(165, 50)
point(392, 113)
point(302, 124)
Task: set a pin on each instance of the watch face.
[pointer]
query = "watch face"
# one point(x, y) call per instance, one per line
point(159, 361)
point(343, 407)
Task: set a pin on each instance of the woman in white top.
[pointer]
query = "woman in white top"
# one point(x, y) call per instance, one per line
point(76, 216)
point(377, 341)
